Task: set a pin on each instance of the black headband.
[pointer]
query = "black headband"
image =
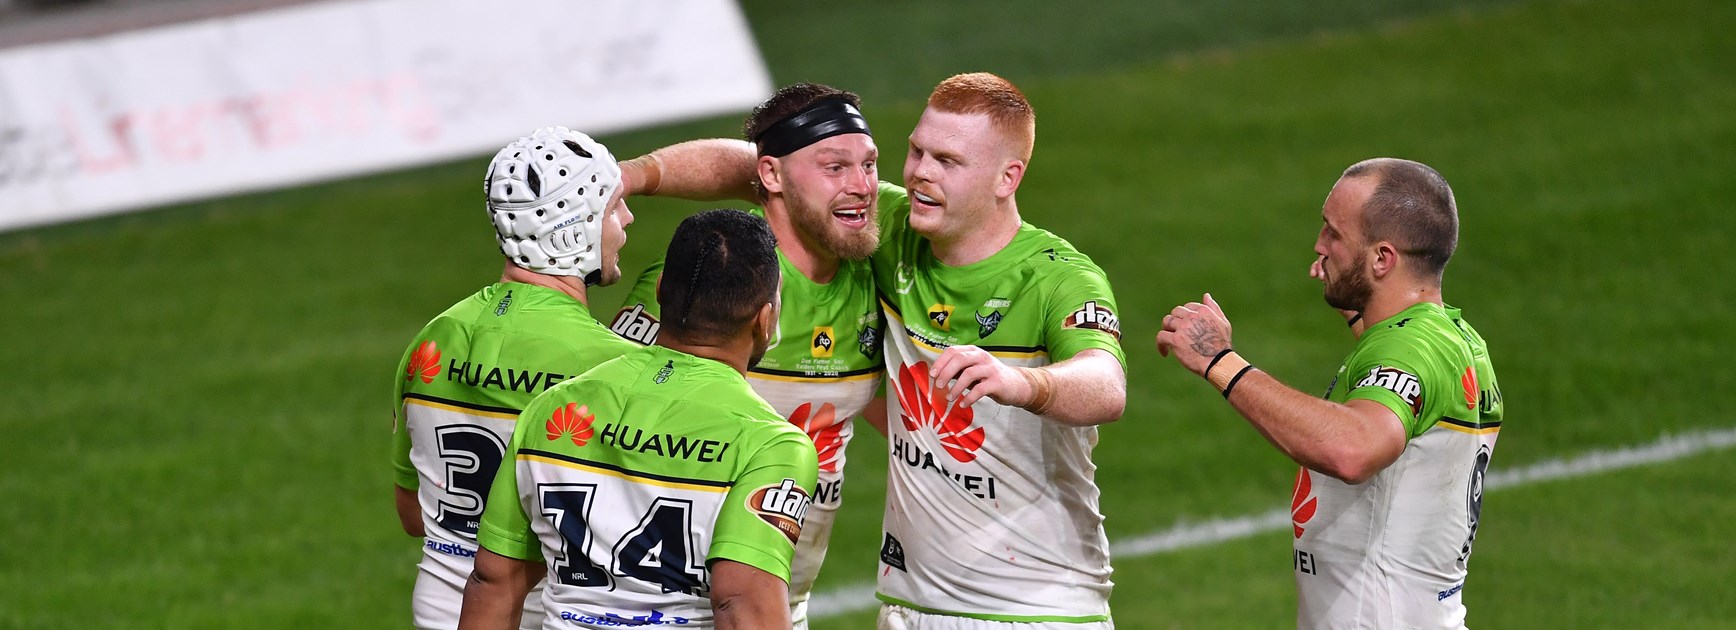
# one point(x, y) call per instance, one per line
point(827, 118)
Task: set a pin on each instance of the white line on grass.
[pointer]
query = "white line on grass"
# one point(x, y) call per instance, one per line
point(860, 597)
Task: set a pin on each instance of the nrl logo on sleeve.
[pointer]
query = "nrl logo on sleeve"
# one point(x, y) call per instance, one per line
point(1400, 382)
point(635, 324)
point(823, 342)
point(1094, 317)
point(782, 506)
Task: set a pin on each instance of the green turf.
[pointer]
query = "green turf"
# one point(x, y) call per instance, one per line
point(196, 398)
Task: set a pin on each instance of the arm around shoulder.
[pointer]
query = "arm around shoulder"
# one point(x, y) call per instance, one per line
point(698, 170)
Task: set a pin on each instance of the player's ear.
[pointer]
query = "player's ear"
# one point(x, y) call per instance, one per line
point(1012, 172)
point(770, 176)
point(765, 323)
point(1383, 259)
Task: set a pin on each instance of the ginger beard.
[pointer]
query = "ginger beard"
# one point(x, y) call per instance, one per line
point(1350, 289)
point(847, 225)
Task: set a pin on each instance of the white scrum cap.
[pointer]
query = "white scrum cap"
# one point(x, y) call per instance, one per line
point(547, 194)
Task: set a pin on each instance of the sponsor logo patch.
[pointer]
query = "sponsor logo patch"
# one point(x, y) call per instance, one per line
point(636, 324)
point(664, 373)
point(823, 341)
point(1302, 501)
point(572, 422)
point(986, 325)
point(868, 341)
point(1398, 381)
point(1091, 316)
point(424, 363)
point(505, 303)
point(782, 506)
point(920, 405)
point(823, 427)
point(1469, 382)
point(941, 316)
point(892, 553)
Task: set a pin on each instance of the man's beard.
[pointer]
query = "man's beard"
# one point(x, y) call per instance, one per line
point(847, 244)
point(1351, 290)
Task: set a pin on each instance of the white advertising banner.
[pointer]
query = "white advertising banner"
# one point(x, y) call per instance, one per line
point(334, 89)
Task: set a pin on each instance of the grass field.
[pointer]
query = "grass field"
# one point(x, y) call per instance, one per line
point(195, 405)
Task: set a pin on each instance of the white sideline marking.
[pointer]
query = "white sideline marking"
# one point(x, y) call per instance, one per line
point(1185, 535)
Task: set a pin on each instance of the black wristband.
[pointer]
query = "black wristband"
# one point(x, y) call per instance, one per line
point(1220, 356)
point(1234, 380)
point(1353, 319)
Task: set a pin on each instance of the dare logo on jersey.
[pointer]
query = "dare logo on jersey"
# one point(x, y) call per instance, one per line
point(821, 347)
point(1398, 381)
point(783, 506)
point(1092, 316)
point(941, 316)
point(636, 324)
point(424, 363)
point(572, 422)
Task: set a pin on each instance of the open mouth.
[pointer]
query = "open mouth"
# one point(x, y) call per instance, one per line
point(924, 202)
point(852, 217)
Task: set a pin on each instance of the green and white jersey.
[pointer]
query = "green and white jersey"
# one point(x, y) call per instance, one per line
point(991, 511)
point(630, 479)
point(1392, 552)
point(459, 388)
point(820, 372)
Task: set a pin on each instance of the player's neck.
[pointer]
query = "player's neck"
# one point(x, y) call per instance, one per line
point(977, 243)
point(570, 285)
point(804, 253)
point(1385, 304)
point(733, 353)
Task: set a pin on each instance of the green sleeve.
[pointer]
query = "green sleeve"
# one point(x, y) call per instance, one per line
point(761, 518)
point(505, 529)
point(403, 472)
point(1394, 375)
point(1080, 313)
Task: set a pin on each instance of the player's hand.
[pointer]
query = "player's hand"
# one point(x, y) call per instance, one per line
point(969, 373)
point(1195, 333)
point(1318, 272)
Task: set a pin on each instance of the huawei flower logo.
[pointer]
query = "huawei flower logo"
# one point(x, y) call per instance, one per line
point(572, 421)
point(1469, 381)
point(922, 405)
point(424, 362)
point(825, 430)
point(1302, 502)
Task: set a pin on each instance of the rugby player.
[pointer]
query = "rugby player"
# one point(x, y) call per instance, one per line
point(1387, 502)
point(1003, 352)
point(659, 489)
point(556, 201)
point(816, 180)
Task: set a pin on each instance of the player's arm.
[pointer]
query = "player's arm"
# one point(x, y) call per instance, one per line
point(494, 594)
point(875, 414)
point(1351, 442)
point(745, 597)
point(1087, 389)
point(409, 510)
point(698, 170)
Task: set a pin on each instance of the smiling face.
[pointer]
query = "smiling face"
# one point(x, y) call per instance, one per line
point(829, 189)
point(955, 166)
point(1342, 247)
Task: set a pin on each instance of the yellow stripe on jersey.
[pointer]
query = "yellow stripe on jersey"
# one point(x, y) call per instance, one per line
point(918, 340)
point(419, 402)
point(626, 476)
point(1470, 430)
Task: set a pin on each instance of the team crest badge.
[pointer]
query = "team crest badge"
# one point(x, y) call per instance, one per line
point(868, 341)
point(986, 324)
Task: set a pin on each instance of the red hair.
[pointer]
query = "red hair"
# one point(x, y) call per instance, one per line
point(990, 95)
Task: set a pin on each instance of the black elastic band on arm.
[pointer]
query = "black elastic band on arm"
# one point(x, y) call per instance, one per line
point(1236, 379)
point(827, 118)
point(1215, 359)
point(1353, 319)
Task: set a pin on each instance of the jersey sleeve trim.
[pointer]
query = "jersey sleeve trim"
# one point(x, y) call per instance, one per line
point(520, 546)
point(750, 556)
